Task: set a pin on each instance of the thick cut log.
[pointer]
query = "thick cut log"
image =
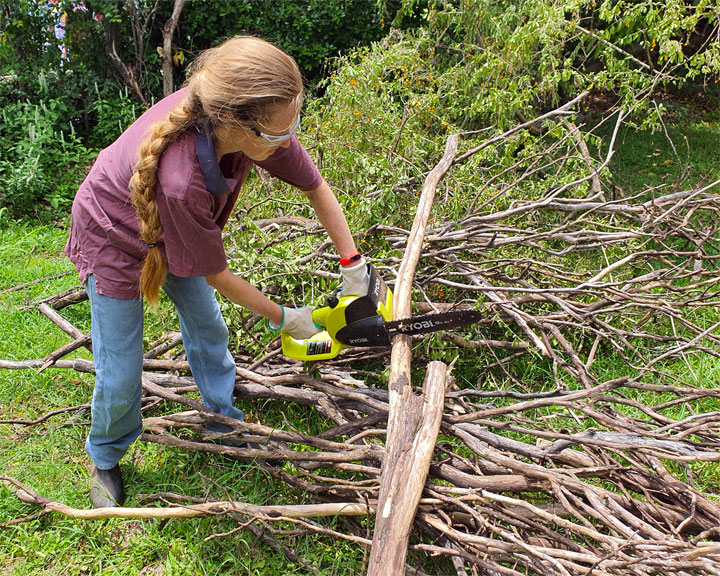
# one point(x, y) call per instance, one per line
point(412, 435)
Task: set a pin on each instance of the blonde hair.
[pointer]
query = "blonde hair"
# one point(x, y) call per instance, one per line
point(236, 83)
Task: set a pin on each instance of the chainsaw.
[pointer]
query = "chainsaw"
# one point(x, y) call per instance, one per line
point(366, 321)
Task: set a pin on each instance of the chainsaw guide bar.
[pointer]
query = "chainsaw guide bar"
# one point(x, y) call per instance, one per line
point(432, 322)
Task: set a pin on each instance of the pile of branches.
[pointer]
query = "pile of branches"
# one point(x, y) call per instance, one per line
point(594, 474)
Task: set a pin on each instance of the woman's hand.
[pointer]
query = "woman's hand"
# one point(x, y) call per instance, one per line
point(297, 322)
point(355, 278)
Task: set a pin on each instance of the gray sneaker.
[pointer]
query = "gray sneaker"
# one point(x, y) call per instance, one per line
point(106, 487)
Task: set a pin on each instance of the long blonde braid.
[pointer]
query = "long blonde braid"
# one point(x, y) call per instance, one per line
point(142, 195)
point(236, 83)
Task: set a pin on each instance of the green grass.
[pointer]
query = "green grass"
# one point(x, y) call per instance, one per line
point(50, 457)
point(686, 153)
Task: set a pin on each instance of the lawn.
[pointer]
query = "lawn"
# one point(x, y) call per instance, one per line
point(49, 456)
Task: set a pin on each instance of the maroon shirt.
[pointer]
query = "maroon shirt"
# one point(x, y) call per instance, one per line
point(195, 197)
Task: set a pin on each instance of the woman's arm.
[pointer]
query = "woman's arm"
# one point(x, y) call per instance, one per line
point(332, 218)
point(246, 295)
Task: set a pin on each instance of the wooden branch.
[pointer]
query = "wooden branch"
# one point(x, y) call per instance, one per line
point(61, 300)
point(69, 297)
point(33, 282)
point(595, 186)
point(128, 75)
point(402, 298)
point(617, 49)
point(560, 111)
point(50, 359)
point(167, 61)
point(28, 496)
point(168, 342)
point(410, 437)
point(63, 324)
point(47, 416)
point(411, 442)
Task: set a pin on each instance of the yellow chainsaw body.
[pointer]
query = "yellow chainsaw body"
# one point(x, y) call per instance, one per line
point(347, 321)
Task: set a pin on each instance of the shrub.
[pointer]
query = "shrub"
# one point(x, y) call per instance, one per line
point(310, 30)
point(507, 59)
point(63, 99)
point(40, 164)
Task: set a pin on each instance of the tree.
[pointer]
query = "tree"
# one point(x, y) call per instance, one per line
point(167, 57)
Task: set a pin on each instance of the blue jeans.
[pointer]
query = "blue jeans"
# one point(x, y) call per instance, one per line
point(117, 330)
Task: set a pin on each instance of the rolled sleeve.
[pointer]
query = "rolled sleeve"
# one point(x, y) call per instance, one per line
point(294, 166)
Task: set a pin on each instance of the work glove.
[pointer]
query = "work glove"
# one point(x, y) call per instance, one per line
point(297, 322)
point(355, 278)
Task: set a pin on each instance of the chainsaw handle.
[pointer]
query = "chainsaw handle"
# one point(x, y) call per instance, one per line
point(319, 316)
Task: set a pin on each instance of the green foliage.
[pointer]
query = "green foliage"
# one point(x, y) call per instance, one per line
point(504, 60)
point(310, 30)
point(36, 63)
point(403, 14)
point(375, 103)
point(483, 65)
point(114, 110)
point(497, 62)
point(42, 156)
point(40, 163)
point(63, 99)
point(28, 36)
point(60, 105)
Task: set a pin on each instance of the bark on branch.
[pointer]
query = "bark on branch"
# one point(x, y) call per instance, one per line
point(167, 57)
point(414, 420)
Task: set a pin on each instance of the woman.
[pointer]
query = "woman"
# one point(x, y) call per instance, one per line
point(150, 214)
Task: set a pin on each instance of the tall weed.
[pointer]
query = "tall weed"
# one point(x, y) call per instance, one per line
point(43, 159)
point(39, 163)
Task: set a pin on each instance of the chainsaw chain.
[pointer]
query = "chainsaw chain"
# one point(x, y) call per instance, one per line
point(433, 322)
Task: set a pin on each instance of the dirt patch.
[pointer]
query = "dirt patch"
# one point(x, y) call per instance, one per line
point(154, 570)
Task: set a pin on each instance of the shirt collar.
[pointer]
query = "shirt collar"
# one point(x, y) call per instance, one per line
point(214, 180)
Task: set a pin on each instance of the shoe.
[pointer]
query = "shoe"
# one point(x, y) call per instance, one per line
point(106, 487)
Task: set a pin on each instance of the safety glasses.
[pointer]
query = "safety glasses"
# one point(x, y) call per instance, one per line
point(275, 139)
